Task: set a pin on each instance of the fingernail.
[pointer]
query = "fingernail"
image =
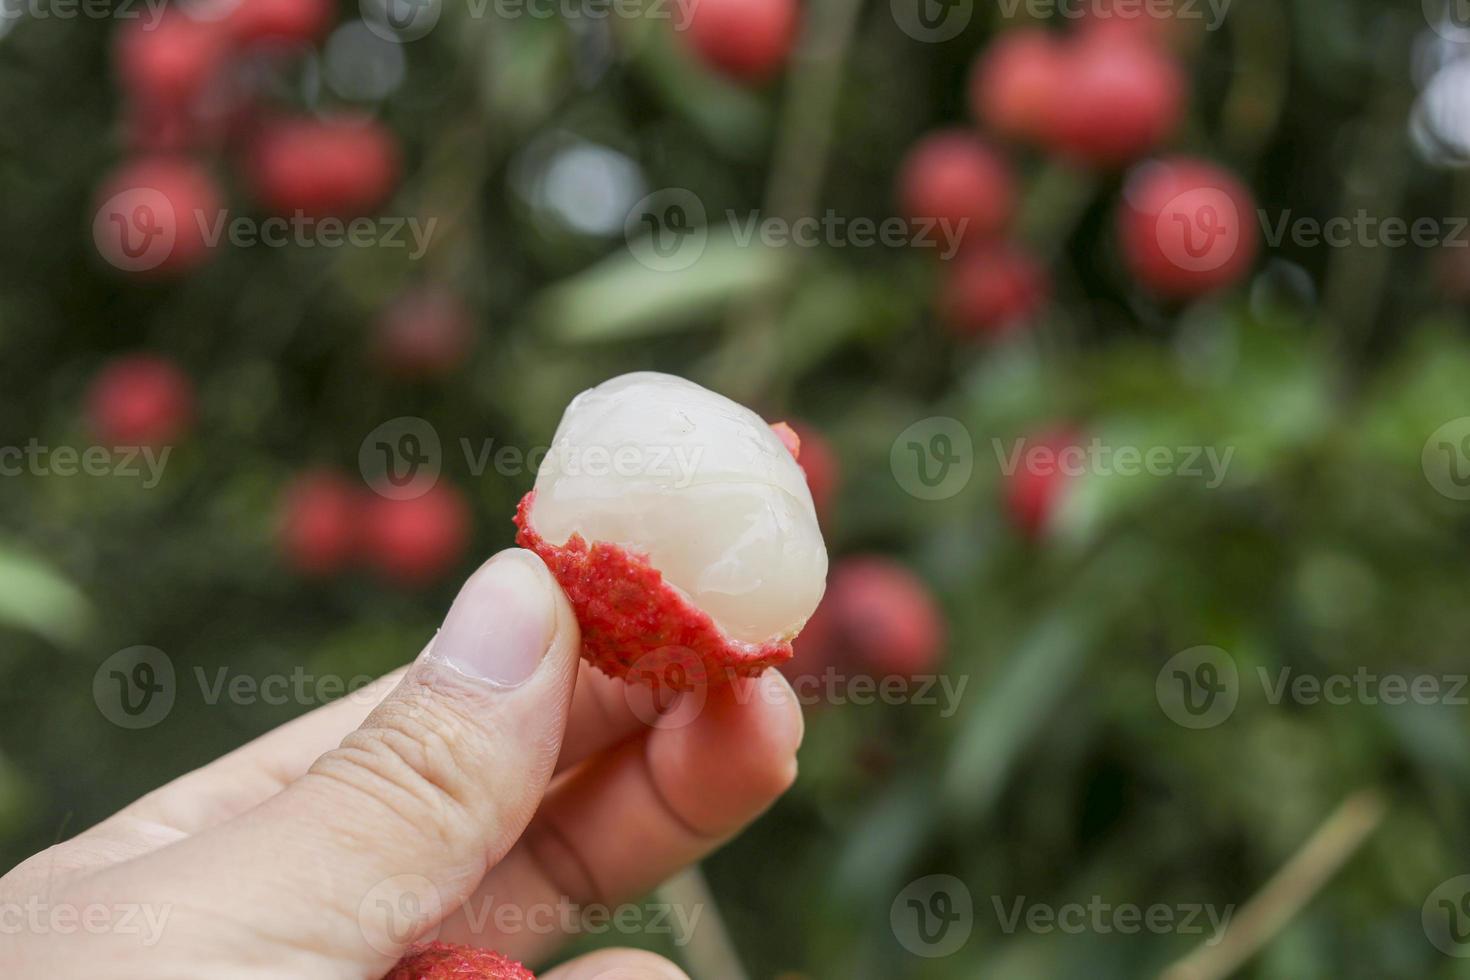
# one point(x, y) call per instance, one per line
point(501, 623)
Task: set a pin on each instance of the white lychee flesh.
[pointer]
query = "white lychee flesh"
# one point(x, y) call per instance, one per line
point(698, 484)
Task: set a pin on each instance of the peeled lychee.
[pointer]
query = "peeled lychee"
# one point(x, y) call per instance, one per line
point(682, 530)
point(448, 961)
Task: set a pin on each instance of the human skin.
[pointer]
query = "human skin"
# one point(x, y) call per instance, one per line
point(495, 769)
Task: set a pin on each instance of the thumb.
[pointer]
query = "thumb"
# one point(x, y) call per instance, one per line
point(387, 833)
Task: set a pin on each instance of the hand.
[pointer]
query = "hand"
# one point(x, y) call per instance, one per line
point(494, 772)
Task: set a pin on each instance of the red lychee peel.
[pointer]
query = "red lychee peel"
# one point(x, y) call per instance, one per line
point(447, 961)
point(636, 626)
point(788, 438)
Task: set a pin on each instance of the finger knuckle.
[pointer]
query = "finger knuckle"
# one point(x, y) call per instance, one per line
point(418, 756)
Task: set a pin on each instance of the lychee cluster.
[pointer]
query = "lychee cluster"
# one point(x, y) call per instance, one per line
point(1098, 98)
point(196, 87)
point(329, 524)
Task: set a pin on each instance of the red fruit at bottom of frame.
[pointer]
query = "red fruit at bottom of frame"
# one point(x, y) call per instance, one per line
point(447, 961)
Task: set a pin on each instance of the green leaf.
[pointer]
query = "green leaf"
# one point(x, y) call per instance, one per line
point(1014, 708)
point(35, 598)
point(620, 298)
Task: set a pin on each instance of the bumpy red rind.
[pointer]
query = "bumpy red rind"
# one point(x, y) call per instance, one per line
point(638, 627)
point(447, 961)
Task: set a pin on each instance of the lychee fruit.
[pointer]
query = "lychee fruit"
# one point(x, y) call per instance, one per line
point(1187, 227)
point(681, 529)
point(747, 40)
point(319, 519)
point(416, 541)
point(1033, 492)
point(140, 400)
point(1118, 98)
point(883, 617)
point(288, 21)
point(171, 62)
point(153, 214)
point(449, 961)
point(823, 469)
point(1015, 84)
point(993, 290)
point(323, 167)
point(424, 333)
point(1120, 21)
point(955, 178)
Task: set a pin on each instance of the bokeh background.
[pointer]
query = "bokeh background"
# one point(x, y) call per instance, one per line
point(1075, 608)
